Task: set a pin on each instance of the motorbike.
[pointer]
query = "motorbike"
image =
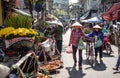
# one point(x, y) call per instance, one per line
point(107, 44)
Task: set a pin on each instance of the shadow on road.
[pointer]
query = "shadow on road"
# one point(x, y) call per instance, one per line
point(107, 55)
point(73, 73)
point(97, 66)
point(116, 72)
point(100, 67)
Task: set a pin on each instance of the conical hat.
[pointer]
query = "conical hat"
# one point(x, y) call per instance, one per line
point(97, 26)
point(76, 24)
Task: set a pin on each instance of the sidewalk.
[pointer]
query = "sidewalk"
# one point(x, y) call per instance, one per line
point(101, 70)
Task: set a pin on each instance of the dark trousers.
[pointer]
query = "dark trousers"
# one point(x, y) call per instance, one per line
point(98, 50)
point(74, 55)
point(118, 62)
point(59, 45)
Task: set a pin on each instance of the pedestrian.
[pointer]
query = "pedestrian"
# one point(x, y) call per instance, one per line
point(118, 60)
point(104, 30)
point(58, 31)
point(117, 63)
point(97, 33)
point(106, 35)
point(75, 36)
point(48, 32)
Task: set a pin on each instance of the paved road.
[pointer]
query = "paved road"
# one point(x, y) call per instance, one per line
point(100, 70)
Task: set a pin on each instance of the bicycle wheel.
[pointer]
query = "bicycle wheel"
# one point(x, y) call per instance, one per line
point(87, 50)
point(92, 59)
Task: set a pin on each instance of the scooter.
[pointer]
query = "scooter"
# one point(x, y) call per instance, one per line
point(107, 44)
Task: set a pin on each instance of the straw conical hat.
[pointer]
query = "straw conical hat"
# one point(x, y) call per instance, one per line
point(97, 26)
point(76, 24)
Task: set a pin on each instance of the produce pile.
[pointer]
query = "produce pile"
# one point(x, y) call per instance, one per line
point(19, 21)
point(18, 26)
point(43, 76)
point(53, 65)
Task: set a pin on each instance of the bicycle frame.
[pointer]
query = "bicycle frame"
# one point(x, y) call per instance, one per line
point(90, 51)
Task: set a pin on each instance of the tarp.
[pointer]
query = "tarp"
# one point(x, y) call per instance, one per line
point(21, 12)
point(113, 13)
point(56, 22)
point(85, 15)
point(15, 40)
point(93, 20)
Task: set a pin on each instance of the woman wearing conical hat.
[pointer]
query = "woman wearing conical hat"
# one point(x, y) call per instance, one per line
point(75, 36)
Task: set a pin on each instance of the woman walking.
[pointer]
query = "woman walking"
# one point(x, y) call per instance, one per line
point(75, 36)
point(97, 34)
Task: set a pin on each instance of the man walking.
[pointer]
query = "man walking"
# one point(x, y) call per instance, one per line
point(118, 60)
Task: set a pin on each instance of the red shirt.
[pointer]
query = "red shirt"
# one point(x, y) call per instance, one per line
point(75, 37)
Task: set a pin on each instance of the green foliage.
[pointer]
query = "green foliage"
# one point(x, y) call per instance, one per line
point(59, 12)
point(19, 21)
point(38, 1)
point(87, 30)
point(44, 24)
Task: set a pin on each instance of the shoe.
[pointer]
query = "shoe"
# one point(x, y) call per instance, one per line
point(95, 58)
point(101, 60)
point(75, 64)
point(115, 69)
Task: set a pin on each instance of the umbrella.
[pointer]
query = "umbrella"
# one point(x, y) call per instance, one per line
point(94, 20)
point(113, 13)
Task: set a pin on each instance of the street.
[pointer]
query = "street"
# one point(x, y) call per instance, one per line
point(100, 70)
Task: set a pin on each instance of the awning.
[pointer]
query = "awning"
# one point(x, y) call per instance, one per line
point(21, 12)
point(94, 20)
point(113, 13)
point(85, 15)
point(55, 22)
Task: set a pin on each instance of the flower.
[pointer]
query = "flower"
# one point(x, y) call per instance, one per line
point(11, 32)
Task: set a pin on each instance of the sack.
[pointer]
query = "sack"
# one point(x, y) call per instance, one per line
point(98, 43)
point(69, 49)
point(81, 44)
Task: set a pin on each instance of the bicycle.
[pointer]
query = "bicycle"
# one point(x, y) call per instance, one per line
point(90, 51)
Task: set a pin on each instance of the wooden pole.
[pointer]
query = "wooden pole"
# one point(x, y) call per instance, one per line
point(1, 15)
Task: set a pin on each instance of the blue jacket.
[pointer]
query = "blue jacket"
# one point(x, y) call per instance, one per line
point(100, 34)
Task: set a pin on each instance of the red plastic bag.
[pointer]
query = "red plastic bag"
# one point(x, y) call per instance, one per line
point(69, 49)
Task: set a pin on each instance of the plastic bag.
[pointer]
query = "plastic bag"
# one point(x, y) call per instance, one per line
point(69, 49)
point(98, 43)
point(81, 44)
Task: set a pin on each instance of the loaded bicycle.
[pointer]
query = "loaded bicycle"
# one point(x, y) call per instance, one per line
point(90, 50)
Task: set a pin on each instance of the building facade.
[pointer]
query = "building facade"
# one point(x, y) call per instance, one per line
point(61, 4)
point(96, 7)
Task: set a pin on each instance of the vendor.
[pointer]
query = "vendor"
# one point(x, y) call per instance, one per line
point(48, 32)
